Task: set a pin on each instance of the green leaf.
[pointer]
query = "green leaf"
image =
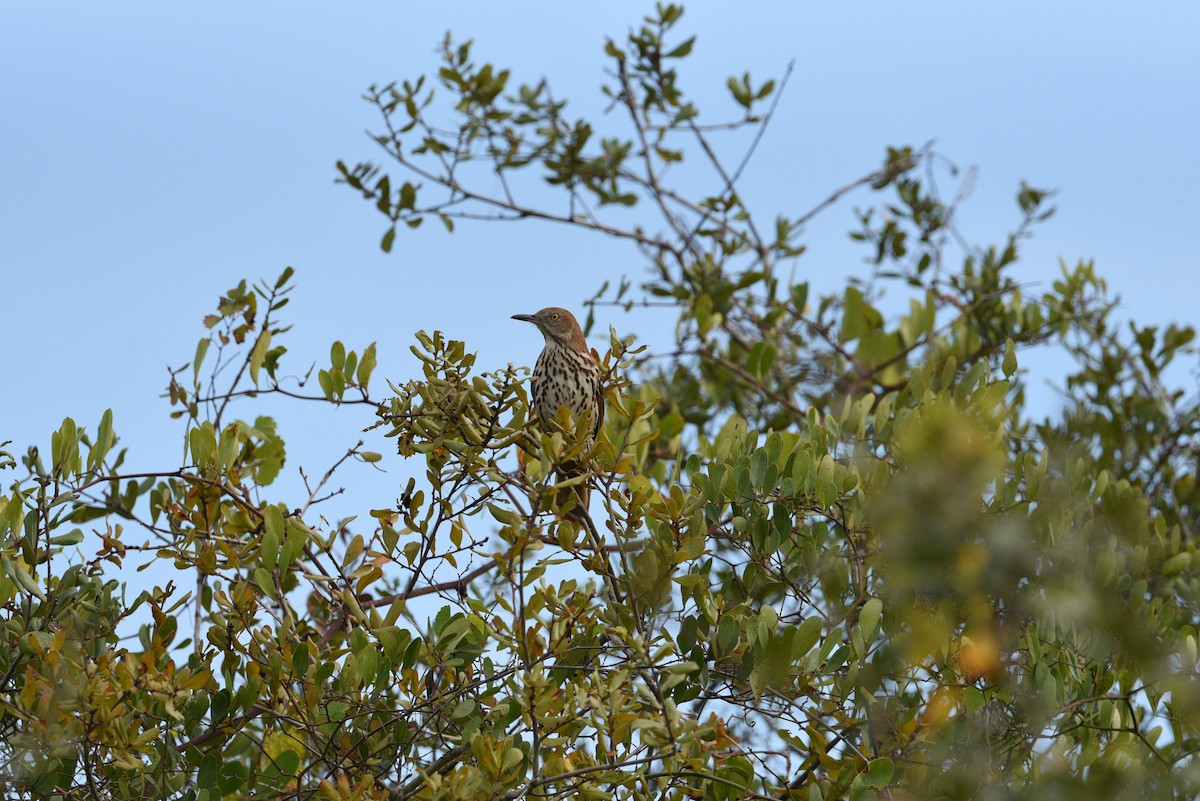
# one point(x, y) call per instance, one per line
point(64, 448)
point(198, 359)
point(868, 618)
point(104, 441)
point(800, 297)
point(301, 659)
point(806, 636)
point(73, 537)
point(206, 777)
point(293, 542)
point(271, 362)
point(408, 196)
point(1009, 365)
point(263, 579)
point(288, 762)
point(226, 447)
point(879, 773)
point(17, 572)
point(388, 239)
point(1176, 564)
point(269, 553)
point(273, 521)
point(220, 706)
point(683, 49)
point(366, 366)
point(353, 550)
point(762, 356)
point(202, 442)
point(367, 664)
point(740, 89)
point(258, 354)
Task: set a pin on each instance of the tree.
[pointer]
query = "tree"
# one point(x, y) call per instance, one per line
point(833, 554)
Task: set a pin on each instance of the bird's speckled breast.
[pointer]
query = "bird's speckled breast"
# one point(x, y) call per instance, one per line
point(564, 377)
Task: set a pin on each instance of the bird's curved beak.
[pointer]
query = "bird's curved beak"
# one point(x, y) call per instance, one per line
point(525, 318)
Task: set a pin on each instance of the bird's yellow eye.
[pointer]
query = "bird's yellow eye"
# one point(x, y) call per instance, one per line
point(554, 316)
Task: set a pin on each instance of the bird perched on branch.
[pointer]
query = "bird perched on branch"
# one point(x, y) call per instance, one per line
point(567, 375)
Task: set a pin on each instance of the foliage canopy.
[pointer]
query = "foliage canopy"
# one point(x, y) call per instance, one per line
point(839, 556)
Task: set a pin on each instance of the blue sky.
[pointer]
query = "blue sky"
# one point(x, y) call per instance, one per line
point(154, 154)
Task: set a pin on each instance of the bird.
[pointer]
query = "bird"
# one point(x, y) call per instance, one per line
point(567, 375)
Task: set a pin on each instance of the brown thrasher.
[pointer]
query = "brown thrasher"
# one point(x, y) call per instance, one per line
point(566, 375)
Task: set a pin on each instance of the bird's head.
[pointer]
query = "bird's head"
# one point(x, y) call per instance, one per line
point(558, 326)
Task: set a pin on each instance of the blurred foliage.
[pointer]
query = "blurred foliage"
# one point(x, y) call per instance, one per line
point(832, 554)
